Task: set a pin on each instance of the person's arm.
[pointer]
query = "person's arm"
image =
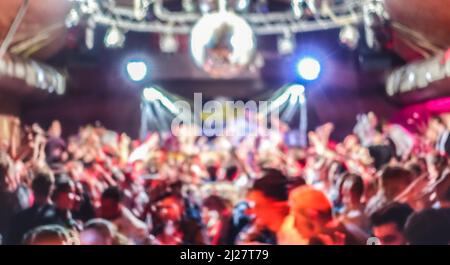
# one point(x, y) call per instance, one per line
point(136, 229)
point(15, 137)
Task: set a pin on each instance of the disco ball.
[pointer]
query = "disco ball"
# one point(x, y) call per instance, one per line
point(222, 44)
point(349, 36)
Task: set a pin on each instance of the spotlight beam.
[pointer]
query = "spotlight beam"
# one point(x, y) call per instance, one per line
point(289, 112)
point(144, 125)
point(303, 121)
point(149, 114)
point(152, 94)
point(293, 98)
point(164, 117)
point(157, 110)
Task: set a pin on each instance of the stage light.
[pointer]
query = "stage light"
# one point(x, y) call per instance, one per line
point(72, 19)
point(114, 38)
point(151, 94)
point(141, 8)
point(207, 6)
point(137, 70)
point(296, 89)
point(309, 69)
point(293, 93)
point(296, 93)
point(349, 36)
point(241, 5)
point(188, 6)
point(168, 43)
point(297, 7)
point(286, 44)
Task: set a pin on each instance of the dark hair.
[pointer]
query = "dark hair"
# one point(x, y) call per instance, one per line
point(112, 193)
point(428, 227)
point(61, 175)
point(63, 184)
point(341, 167)
point(215, 202)
point(295, 182)
point(42, 183)
point(395, 212)
point(396, 173)
point(230, 172)
point(381, 154)
point(164, 194)
point(438, 119)
point(415, 168)
point(357, 186)
point(273, 184)
point(212, 172)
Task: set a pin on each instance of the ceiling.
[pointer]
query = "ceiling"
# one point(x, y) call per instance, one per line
point(43, 24)
point(429, 18)
point(46, 25)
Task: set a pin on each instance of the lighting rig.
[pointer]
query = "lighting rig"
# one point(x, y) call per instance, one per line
point(223, 33)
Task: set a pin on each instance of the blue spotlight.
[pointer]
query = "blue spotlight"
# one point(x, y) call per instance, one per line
point(309, 69)
point(137, 70)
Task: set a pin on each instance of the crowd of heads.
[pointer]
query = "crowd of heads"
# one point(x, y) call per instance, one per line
point(381, 184)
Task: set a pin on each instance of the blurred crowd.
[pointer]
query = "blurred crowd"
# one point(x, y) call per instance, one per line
point(381, 185)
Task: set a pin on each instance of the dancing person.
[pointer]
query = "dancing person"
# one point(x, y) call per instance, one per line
point(311, 218)
point(10, 202)
point(126, 222)
point(217, 217)
point(428, 227)
point(268, 200)
point(393, 181)
point(174, 225)
point(64, 198)
point(352, 193)
point(42, 211)
point(388, 223)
